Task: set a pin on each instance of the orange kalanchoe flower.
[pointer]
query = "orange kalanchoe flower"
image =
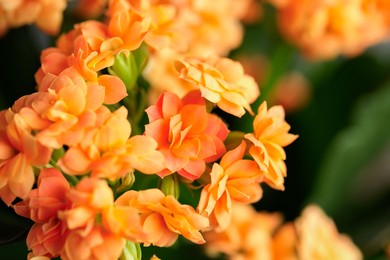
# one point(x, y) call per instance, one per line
point(324, 29)
point(248, 236)
point(20, 151)
point(106, 151)
point(47, 15)
point(47, 199)
point(232, 180)
point(47, 236)
point(269, 137)
point(319, 238)
point(89, 48)
point(160, 72)
point(164, 218)
point(157, 21)
point(95, 243)
point(71, 110)
point(95, 219)
point(210, 27)
point(221, 81)
point(186, 134)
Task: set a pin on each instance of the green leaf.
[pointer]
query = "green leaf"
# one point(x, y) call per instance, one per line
point(352, 149)
point(351, 182)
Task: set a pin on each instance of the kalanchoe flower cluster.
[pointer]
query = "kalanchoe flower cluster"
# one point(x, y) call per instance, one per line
point(323, 29)
point(259, 235)
point(72, 150)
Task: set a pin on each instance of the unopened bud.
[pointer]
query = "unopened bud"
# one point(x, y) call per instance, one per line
point(170, 185)
point(126, 183)
point(131, 251)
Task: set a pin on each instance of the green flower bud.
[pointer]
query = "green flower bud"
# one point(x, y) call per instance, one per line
point(170, 185)
point(131, 251)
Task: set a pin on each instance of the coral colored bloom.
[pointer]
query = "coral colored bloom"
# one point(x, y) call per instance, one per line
point(269, 137)
point(186, 134)
point(232, 180)
point(47, 239)
point(248, 236)
point(47, 199)
point(319, 238)
point(221, 81)
point(164, 218)
point(47, 15)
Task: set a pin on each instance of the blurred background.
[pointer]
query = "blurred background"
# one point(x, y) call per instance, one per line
point(339, 107)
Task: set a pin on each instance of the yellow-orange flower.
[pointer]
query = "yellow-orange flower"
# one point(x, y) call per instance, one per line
point(160, 72)
point(319, 238)
point(232, 180)
point(47, 15)
point(323, 29)
point(210, 27)
point(249, 235)
point(186, 134)
point(221, 81)
point(164, 218)
point(269, 137)
point(157, 21)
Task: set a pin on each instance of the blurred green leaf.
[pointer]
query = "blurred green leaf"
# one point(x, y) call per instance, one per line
point(336, 188)
point(352, 149)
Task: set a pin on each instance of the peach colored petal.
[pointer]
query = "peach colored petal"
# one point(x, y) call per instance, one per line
point(115, 90)
point(143, 155)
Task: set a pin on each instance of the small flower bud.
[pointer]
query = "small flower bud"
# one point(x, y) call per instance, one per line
point(131, 251)
point(170, 185)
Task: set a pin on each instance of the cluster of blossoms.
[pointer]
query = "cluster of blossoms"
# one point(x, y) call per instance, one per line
point(255, 235)
point(323, 29)
point(71, 151)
